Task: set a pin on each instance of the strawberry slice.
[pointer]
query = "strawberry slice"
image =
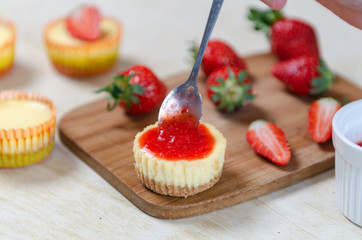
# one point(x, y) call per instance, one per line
point(84, 22)
point(269, 141)
point(320, 118)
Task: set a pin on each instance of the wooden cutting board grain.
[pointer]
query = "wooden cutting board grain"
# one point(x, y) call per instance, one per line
point(104, 141)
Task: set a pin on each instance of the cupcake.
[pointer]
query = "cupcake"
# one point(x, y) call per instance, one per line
point(7, 42)
point(179, 160)
point(84, 43)
point(26, 128)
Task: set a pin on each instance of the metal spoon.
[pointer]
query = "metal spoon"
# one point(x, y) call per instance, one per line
point(186, 98)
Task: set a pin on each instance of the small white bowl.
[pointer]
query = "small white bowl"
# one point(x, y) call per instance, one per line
point(347, 131)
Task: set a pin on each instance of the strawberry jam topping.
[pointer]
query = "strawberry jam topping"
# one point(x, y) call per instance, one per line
point(178, 140)
point(359, 144)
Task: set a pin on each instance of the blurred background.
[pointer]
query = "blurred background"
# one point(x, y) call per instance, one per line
point(157, 33)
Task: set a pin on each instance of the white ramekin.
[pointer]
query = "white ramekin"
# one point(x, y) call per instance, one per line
point(347, 131)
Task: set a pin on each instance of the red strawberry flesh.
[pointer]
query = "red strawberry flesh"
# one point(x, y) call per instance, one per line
point(269, 141)
point(320, 118)
point(84, 23)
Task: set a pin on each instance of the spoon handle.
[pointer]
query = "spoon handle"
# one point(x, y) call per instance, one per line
point(214, 13)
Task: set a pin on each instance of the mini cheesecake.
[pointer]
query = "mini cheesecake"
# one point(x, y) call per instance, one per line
point(75, 57)
point(27, 128)
point(7, 42)
point(179, 163)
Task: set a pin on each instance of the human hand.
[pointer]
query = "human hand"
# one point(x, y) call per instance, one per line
point(275, 4)
point(349, 10)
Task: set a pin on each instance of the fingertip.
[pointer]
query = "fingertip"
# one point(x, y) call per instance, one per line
point(279, 4)
point(275, 4)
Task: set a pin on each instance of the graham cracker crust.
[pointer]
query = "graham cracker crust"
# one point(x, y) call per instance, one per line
point(175, 191)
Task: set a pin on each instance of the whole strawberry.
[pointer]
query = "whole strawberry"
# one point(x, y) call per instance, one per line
point(267, 139)
point(83, 23)
point(320, 118)
point(137, 89)
point(289, 38)
point(228, 88)
point(218, 54)
point(304, 75)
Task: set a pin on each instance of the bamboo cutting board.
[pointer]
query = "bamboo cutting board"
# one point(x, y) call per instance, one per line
point(104, 141)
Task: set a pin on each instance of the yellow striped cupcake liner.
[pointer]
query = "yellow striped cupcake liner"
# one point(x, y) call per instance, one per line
point(24, 146)
point(87, 59)
point(7, 50)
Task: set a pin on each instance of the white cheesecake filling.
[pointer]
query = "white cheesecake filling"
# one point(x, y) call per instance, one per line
point(59, 33)
point(22, 113)
point(181, 173)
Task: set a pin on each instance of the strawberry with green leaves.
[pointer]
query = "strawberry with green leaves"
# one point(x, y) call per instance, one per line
point(228, 88)
point(83, 23)
point(219, 54)
point(320, 118)
point(137, 89)
point(268, 140)
point(289, 38)
point(304, 75)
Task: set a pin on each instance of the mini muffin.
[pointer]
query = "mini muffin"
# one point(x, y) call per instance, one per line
point(84, 43)
point(7, 48)
point(26, 128)
point(179, 161)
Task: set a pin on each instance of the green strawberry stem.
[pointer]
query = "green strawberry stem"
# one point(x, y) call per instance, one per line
point(263, 20)
point(324, 81)
point(122, 90)
point(193, 49)
point(232, 92)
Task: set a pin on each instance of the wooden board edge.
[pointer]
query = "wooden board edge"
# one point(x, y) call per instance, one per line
point(94, 165)
point(170, 212)
point(146, 207)
point(179, 212)
point(237, 197)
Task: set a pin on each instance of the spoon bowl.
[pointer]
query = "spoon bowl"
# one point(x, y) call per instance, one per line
point(185, 100)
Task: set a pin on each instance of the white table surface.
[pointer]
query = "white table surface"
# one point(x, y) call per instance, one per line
point(63, 198)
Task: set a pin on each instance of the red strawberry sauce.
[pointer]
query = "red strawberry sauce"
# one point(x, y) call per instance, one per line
point(359, 144)
point(178, 139)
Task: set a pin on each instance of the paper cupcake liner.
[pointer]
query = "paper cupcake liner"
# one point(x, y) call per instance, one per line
point(24, 146)
point(7, 51)
point(83, 60)
point(11, 160)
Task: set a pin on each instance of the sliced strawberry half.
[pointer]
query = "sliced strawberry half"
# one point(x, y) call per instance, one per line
point(320, 118)
point(267, 139)
point(83, 23)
